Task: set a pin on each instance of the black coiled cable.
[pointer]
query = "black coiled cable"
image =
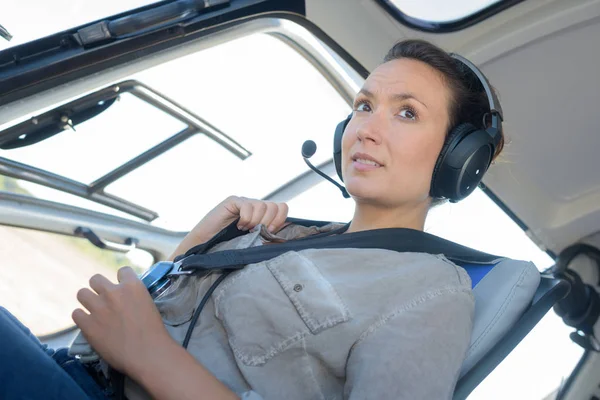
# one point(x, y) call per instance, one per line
point(194, 320)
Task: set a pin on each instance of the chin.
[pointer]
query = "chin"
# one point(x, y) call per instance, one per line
point(379, 193)
point(360, 189)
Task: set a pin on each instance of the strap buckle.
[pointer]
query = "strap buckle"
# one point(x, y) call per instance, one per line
point(160, 276)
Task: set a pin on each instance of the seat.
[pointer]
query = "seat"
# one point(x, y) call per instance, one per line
point(511, 297)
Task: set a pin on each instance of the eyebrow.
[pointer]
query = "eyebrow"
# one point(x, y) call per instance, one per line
point(397, 96)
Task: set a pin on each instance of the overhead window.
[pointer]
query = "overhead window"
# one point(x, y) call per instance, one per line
point(440, 10)
point(442, 15)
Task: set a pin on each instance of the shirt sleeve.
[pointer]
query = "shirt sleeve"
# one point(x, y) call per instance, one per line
point(415, 352)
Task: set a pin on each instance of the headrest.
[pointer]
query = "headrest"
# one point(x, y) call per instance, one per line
point(501, 296)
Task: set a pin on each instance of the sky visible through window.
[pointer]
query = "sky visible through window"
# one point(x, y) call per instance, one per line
point(441, 10)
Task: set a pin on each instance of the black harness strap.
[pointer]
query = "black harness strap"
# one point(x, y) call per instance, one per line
point(396, 239)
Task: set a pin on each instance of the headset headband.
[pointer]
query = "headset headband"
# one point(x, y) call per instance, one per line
point(495, 109)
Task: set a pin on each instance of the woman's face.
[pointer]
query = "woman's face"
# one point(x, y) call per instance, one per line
point(399, 123)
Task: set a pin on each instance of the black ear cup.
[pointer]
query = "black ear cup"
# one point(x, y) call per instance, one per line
point(463, 161)
point(337, 145)
point(453, 137)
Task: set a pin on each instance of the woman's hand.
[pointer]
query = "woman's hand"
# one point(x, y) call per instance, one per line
point(125, 328)
point(123, 325)
point(250, 212)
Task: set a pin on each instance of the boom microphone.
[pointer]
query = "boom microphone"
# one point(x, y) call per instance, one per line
point(309, 148)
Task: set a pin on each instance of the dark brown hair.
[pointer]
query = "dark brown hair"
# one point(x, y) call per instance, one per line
point(468, 102)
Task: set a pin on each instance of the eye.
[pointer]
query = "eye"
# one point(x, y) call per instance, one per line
point(362, 105)
point(408, 113)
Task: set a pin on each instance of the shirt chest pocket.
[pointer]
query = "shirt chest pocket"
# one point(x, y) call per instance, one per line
point(269, 307)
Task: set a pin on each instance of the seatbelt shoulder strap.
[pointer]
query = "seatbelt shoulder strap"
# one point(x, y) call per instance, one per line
point(396, 239)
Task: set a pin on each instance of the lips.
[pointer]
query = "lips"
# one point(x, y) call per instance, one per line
point(357, 157)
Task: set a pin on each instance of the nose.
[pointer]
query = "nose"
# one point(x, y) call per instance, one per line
point(369, 128)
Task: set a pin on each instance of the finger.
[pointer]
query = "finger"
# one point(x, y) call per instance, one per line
point(233, 204)
point(270, 214)
point(258, 211)
point(245, 215)
point(88, 299)
point(81, 319)
point(126, 274)
point(279, 220)
point(100, 283)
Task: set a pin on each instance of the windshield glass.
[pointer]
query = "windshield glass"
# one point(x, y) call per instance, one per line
point(28, 20)
point(93, 148)
point(285, 102)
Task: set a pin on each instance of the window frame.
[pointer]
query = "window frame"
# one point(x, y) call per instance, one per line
point(446, 27)
point(329, 59)
point(94, 191)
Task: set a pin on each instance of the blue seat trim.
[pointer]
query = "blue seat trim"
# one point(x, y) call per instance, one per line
point(477, 271)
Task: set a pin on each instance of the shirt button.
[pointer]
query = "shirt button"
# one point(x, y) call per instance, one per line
point(298, 287)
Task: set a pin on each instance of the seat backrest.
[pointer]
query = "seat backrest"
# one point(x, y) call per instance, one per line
point(502, 293)
point(510, 298)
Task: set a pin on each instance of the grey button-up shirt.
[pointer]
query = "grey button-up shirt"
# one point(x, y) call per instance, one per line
point(327, 323)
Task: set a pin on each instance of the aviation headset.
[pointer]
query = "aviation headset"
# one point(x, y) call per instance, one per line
point(467, 152)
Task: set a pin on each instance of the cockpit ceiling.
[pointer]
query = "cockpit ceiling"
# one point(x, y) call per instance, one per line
point(542, 57)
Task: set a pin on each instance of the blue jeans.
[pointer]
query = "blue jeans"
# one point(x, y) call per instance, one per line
point(29, 370)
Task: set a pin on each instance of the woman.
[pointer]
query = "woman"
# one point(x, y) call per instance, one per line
point(385, 325)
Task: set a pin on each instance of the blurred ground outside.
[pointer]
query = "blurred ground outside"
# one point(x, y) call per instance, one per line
point(40, 274)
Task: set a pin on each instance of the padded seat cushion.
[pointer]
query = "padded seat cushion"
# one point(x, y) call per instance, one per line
point(501, 296)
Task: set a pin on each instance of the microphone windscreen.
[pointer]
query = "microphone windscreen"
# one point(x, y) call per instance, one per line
point(309, 148)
